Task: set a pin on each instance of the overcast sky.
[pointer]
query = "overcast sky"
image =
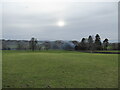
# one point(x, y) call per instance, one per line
point(23, 20)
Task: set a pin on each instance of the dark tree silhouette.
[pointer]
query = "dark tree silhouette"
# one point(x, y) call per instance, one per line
point(105, 44)
point(90, 43)
point(33, 43)
point(98, 45)
point(83, 44)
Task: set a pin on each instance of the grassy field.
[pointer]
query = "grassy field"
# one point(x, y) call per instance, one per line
point(59, 69)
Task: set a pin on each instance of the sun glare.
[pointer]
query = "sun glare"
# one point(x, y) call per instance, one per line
point(61, 23)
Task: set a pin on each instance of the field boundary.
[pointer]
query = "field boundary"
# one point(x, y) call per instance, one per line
point(101, 52)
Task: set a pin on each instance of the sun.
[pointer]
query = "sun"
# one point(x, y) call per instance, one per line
point(61, 23)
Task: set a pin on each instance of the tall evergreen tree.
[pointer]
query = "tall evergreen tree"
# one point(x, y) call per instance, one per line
point(105, 44)
point(98, 44)
point(90, 42)
point(83, 44)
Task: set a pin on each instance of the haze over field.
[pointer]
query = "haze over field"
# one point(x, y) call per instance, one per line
point(60, 20)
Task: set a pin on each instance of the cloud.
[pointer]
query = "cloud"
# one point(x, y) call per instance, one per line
point(24, 20)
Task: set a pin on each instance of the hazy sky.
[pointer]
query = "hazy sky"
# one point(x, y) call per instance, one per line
point(23, 20)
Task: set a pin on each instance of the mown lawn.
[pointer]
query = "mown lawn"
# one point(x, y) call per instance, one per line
point(59, 69)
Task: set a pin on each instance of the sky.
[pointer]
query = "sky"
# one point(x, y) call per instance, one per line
point(62, 20)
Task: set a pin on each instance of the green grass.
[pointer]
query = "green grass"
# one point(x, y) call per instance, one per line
point(59, 69)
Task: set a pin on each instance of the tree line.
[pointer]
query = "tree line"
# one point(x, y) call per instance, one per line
point(85, 44)
point(90, 44)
